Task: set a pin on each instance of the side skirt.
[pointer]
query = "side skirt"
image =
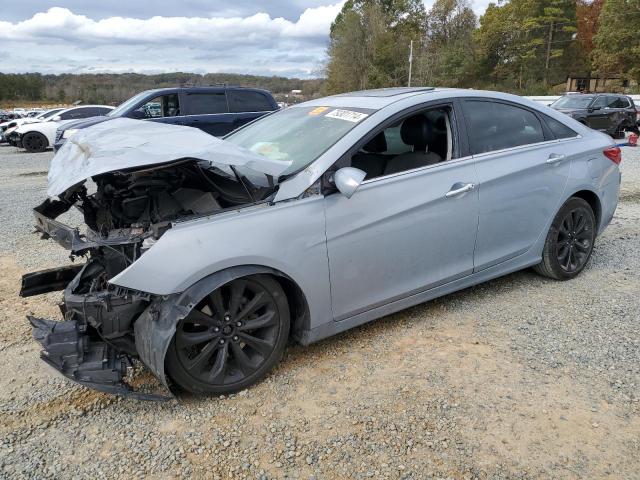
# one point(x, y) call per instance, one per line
point(332, 328)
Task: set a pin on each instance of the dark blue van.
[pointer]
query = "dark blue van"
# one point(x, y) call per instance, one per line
point(215, 110)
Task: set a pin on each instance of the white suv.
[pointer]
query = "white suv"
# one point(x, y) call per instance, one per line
point(37, 137)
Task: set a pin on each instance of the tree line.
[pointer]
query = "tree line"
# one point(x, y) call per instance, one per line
point(112, 89)
point(520, 46)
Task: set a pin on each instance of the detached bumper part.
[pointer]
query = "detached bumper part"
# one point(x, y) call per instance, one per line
point(89, 362)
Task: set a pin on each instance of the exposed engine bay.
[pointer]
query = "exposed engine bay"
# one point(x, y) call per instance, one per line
point(125, 214)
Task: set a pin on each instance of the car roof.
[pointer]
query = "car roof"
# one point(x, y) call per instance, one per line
point(87, 106)
point(202, 89)
point(381, 98)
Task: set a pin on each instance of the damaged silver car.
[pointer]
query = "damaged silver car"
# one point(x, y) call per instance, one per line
point(202, 257)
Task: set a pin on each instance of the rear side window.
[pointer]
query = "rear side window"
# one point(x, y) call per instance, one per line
point(205, 103)
point(247, 101)
point(559, 129)
point(495, 126)
point(618, 102)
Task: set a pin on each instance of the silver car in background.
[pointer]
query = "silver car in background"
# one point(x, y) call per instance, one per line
point(204, 256)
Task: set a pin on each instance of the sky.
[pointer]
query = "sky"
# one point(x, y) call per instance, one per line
point(266, 37)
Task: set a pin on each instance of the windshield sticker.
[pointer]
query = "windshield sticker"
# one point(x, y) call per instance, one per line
point(317, 111)
point(348, 115)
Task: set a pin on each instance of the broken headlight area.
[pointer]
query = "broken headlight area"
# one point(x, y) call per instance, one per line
point(128, 212)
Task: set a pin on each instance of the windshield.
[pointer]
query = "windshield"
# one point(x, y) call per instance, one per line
point(124, 107)
point(573, 101)
point(298, 134)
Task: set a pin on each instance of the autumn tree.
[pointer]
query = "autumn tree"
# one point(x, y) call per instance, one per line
point(524, 43)
point(617, 43)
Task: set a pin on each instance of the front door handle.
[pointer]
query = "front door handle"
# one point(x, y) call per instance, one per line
point(555, 158)
point(459, 188)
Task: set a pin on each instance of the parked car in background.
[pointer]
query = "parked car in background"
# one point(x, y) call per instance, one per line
point(608, 112)
point(37, 137)
point(203, 255)
point(7, 127)
point(215, 110)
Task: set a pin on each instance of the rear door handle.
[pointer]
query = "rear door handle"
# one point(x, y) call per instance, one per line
point(459, 188)
point(555, 158)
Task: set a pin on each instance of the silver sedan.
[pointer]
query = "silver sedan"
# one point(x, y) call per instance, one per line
point(205, 256)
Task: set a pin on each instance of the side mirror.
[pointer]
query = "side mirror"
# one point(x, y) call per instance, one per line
point(593, 109)
point(137, 115)
point(348, 179)
point(57, 118)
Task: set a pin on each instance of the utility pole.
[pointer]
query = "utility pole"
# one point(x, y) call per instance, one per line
point(546, 63)
point(410, 61)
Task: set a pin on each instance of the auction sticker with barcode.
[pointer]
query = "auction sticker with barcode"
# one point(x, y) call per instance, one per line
point(348, 115)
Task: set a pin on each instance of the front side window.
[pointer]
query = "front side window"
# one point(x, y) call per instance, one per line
point(298, 134)
point(495, 126)
point(205, 103)
point(417, 140)
point(248, 101)
point(124, 107)
point(160, 107)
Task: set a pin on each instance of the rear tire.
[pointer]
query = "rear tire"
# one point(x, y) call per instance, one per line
point(34, 142)
point(569, 242)
point(232, 338)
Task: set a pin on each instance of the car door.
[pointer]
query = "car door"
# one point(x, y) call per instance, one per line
point(208, 111)
point(598, 116)
point(400, 234)
point(522, 172)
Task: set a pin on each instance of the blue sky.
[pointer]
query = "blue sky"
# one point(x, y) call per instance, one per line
point(272, 37)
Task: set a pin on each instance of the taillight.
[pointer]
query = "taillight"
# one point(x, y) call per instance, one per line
point(614, 154)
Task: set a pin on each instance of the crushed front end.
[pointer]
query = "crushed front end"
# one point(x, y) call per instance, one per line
point(127, 214)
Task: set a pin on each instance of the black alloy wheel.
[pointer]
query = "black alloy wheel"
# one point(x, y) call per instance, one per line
point(575, 240)
point(34, 142)
point(232, 338)
point(570, 241)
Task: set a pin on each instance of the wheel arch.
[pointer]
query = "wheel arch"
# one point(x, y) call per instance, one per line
point(155, 327)
point(23, 135)
point(593, 200)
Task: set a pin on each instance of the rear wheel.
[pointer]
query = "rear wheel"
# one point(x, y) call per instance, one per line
point(570, 241)
point(34, 142)
point(232, 338)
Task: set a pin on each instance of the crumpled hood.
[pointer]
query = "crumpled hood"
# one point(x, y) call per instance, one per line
point(124, 143)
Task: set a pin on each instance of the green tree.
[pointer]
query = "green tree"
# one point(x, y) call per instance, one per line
point(369, 43)
point(447, 54)
point(527, 44)
point(617, 43)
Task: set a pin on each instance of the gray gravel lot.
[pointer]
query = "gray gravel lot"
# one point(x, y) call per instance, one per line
point(521, 377)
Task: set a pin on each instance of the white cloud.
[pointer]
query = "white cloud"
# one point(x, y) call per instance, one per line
point(62, 25)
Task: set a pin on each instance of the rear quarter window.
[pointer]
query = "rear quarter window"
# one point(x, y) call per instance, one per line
point(241, 101)
point(559, 129)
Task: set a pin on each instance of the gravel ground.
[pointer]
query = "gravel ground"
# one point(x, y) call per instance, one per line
point(521, 377)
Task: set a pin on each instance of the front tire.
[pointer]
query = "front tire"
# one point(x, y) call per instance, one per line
point(232, 338)
point(570, 241)
point(34, 142)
